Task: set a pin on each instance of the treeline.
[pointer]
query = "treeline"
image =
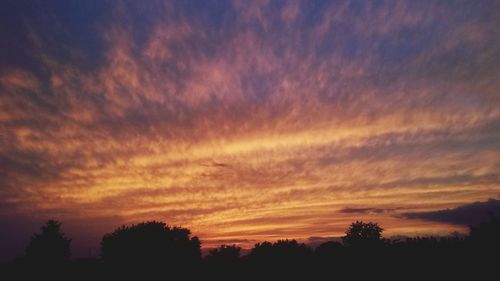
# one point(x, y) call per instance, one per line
point(155, 249)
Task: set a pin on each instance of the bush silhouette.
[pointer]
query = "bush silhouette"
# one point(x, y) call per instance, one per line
point(150, 244)
point(363, 235)
point(49, 246)
point(280, 252)
point(330, 249)
point(224, 262)
point(224, 254)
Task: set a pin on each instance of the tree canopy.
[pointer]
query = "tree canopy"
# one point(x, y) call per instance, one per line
point(150, 243)
point(49, 246)
point(360, 235)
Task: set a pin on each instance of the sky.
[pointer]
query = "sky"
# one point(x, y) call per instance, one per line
point(247, 121)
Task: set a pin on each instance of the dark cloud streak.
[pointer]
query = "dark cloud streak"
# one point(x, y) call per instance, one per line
point(469, 214)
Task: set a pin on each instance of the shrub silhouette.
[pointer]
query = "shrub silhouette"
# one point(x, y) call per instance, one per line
point(330, 249)
point(280, 252)
point(224, 262)
point(224, 254)
point(150, 244)
point(363, 235)
point(49, 246)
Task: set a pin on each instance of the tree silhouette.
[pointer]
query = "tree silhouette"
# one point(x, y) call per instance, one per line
point(151, 249)
point(224, 262)
point(224, 254)
point(280, 252)
point(49, 246)
point(487, 233)
point(329, 249)
point(150, 244)
point(363, 235)
point(282, 259)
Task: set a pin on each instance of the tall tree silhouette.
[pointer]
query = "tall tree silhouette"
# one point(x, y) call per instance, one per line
point(150, 244)
point(49, 246)
point(363, 235)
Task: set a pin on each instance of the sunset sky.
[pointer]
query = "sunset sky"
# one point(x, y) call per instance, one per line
point(247, 121)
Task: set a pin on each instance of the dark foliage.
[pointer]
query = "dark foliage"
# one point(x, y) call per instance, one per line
point(49, 246)
point(150, 244)
point(330, 250)
point(487, 233)
point(363, 235)
point(282, 250)
point(224, 262)
point(155, 251)
point(224, 255)
point(280, 254)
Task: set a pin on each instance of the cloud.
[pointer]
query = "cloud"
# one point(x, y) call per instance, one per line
point(315, 241)
point(364, 210)
point(469, 214)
